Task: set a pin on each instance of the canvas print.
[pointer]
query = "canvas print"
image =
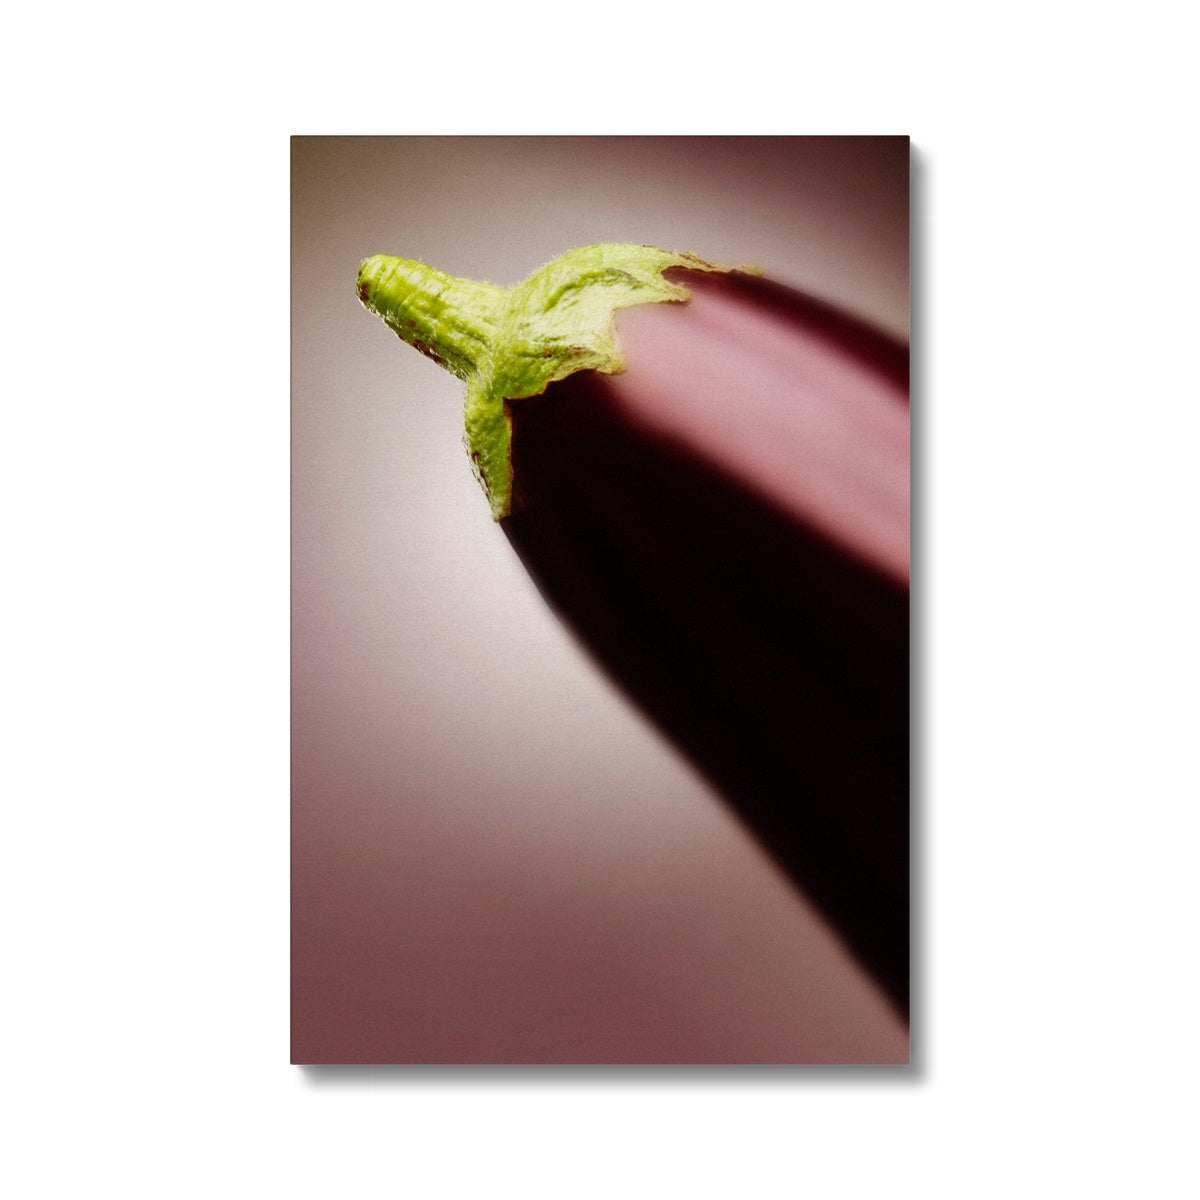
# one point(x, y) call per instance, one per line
point(601, 515)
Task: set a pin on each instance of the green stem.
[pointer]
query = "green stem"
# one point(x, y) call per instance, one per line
point(454, 321)
point(509, 343)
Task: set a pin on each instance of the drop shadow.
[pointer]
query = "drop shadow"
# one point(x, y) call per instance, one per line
point(918, 613)
point(602, 1076)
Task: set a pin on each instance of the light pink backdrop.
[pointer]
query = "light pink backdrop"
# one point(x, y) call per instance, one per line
point(495, 859)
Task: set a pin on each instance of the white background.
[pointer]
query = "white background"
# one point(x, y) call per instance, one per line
point(145, 660)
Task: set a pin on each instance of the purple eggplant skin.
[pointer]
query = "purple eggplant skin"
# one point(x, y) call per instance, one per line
point(769, 641)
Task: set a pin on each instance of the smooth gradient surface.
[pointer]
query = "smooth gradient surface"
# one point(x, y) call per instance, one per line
point(495, 859)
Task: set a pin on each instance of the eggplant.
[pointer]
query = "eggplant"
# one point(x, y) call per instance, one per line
point(713, 493)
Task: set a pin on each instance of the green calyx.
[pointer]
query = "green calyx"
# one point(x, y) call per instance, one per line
point(509, 343)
